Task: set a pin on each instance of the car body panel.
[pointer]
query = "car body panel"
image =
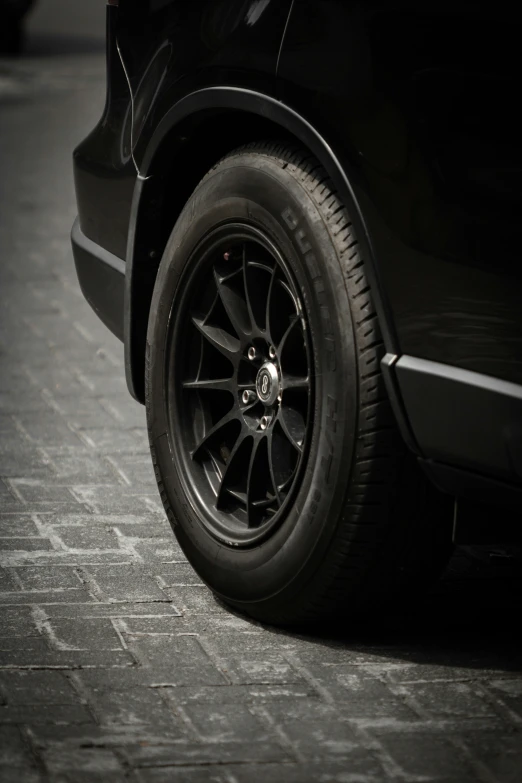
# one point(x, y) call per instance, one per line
point(423, 97)
point(174, 47)
point(104, 170)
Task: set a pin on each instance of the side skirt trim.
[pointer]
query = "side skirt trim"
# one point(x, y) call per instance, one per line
point(102, 279)
point(463, 418)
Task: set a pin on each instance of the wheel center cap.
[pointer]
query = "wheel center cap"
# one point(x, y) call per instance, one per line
point(267, 383)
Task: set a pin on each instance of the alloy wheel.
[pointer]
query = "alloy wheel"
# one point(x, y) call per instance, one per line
point(241, 401)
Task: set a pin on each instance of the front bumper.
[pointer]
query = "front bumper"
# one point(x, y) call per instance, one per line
point(102, 279)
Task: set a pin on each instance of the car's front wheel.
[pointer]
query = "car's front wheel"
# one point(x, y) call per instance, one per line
point(276, 453)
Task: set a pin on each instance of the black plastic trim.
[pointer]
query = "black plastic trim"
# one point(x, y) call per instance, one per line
point(388, 364)
point(343, 177)
point(134, 333)
point(102, 278)
point(463, 418)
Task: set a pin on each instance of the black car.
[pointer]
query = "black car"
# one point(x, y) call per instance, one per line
point(303, 221)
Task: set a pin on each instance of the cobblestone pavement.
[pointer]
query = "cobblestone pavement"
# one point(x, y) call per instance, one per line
point(115, 661)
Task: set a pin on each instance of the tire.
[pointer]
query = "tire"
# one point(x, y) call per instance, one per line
point(363, 525)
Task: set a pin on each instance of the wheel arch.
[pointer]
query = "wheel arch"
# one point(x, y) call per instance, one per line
point(182, 149)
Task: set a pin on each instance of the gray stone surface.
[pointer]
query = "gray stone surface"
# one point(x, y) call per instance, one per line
point(116, 664)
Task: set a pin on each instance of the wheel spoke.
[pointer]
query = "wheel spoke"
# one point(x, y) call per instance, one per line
point(269, 299)
point(250, 479)
point(294, 382)
point(271, 470)
point(282, 342)
point(234, 304)
point(217, 384)
point(241, 496)
point(203, 443)
point(253, 323)
point(228, 470)
point(258, 496)
point(225, 343)
point(287, 420)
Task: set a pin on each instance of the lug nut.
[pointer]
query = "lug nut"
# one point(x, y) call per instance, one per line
point(252, 353)
point(264, 422)
point(272, 352)
point(248, 396)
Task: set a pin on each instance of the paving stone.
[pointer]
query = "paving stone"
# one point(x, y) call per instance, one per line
point(37, 687)
point(174, 625)
point(17, 525)
point(82, 412)
point(187, 774)
point(15, 753)
point(206, 626)
point(359, 696)
point(8, 501)
point(128, 417)
point(448, 699)
point(6, 581)
point(140, 705)
point(25, 544)
point(179, 575)
point(137, 468)
point(46, 428)
point(17, 621)
point(145, 532)
point(52, 713)
point(13, 377)
point(77, 537)
point(314, 729)
point(227, 723)
point(126, 583)
point(28, 400)
point(71, 557)
point(501, 754)
point(97, 383)
point(71, 465)
point(85, 634)
point(198, 753)
point(357, 767)
point(508, 692)
point(35, 653)
point(177, 660)
point(235, 694)
point(97, 764)
point(113, 441)
point(94, 736)
point(432, 758)
point(55, 379)
point(19, 458)
point(160, 551)
point(11, 774)
point(47, 577)
point(107, 500)
point(32, 597)
point(81, 517)
point(194, 599)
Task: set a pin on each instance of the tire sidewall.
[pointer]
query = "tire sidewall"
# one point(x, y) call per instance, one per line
point(255, 189)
